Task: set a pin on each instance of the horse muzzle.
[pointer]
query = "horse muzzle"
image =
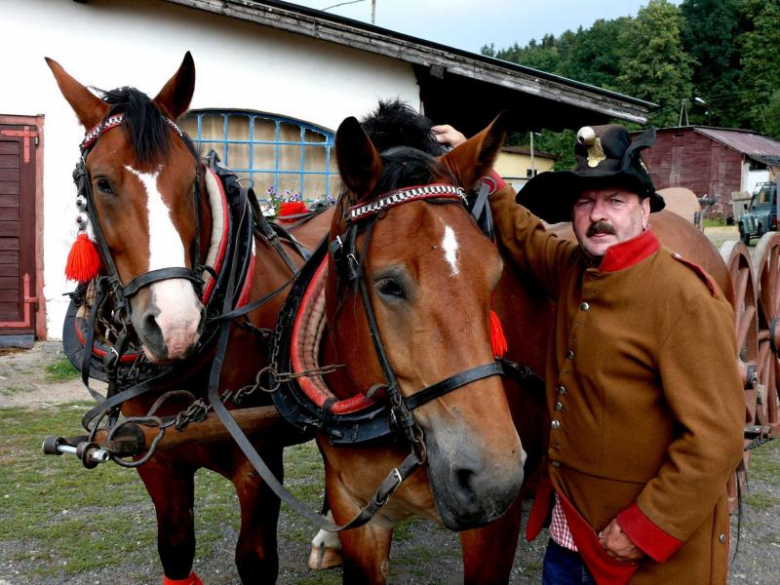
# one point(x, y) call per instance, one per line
point(472, 484)
point(168, 325)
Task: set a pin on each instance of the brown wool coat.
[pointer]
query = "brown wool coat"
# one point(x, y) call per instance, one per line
point(653, 406)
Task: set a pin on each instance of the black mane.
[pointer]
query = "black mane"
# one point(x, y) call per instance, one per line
point(408, 149)
point(144, 123)
point(395, 123)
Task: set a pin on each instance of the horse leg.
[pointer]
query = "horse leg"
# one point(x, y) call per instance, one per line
point(367, 554)
point(171, 489)
point(325, 549)
point(257, 557)
point(489, 552)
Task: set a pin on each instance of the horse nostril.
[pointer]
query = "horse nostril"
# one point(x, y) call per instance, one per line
point(202, 321)
point(151, 331)
point(464, 480)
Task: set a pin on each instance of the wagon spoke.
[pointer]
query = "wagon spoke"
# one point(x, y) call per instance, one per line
point(767, 271)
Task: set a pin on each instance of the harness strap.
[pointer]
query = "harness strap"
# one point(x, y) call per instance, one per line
point(388, 486)
point(153, 276)
point(452, 383)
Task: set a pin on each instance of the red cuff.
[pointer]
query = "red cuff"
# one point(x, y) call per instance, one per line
point(494, 181)
point(655, 542)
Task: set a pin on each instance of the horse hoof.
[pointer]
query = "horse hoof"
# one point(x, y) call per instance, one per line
point(325, 557)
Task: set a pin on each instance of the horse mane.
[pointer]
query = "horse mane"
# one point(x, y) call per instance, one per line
point(395, 123)
point(407, 146)
point(144, 124)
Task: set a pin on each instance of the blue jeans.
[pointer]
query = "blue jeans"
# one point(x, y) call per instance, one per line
point(562, 566)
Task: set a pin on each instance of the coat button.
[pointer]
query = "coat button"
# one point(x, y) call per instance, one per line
point(562, 390)
point(722, 538)
point(570, 355)
point(558, 406)
point(555, 425)
point(585, 306)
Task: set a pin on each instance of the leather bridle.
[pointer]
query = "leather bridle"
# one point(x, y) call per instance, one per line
point(122, 293)
point(393, 416)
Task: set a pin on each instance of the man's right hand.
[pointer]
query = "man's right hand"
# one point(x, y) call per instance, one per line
point(447, 135)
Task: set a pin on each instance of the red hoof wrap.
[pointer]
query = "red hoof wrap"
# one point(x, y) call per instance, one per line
point(193, 579)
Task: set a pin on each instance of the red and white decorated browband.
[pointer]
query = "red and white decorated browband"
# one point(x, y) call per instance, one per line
point(113, 122)
point(358, 212)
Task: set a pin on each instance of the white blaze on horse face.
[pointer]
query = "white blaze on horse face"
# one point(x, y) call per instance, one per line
point(450, 246)
point(179, 307)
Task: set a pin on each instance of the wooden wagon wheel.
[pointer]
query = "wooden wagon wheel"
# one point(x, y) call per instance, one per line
point(737, 258)
point(766, 267)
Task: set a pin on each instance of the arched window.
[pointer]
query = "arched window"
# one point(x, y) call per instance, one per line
point(283, 158)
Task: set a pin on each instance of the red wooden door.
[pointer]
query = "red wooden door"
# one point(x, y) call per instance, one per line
point(17, 230)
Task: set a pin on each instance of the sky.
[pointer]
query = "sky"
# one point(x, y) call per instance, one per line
point(471, 24)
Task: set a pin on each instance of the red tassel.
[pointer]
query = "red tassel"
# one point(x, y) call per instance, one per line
point(83, 260)
point(497, 338)
point(193, 579)
point(291, 208)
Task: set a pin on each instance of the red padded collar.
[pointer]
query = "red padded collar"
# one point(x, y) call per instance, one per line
point(625, 254)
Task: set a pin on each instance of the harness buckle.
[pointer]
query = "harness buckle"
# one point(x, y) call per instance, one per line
point(353, 267)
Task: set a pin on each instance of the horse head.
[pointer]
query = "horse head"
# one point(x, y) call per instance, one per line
point(144, 191)
point(429, 272)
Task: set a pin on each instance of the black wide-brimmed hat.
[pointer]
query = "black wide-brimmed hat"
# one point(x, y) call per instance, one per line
point(606, 157)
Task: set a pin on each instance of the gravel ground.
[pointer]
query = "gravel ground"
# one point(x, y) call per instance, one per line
point(427, 555)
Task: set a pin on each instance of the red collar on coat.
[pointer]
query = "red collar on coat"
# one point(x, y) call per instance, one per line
point(625, 254)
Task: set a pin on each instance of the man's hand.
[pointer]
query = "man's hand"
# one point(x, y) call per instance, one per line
point(618, 545)
point(447, 135)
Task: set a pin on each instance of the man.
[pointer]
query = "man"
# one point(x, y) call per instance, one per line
point(645, 400)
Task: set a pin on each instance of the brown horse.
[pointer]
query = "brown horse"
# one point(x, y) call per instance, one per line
point(527, 316)
point(422, 282)
point(155, 206)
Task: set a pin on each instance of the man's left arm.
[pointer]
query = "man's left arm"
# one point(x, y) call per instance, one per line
point(704, 393)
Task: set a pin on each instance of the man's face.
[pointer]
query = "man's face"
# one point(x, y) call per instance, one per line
point(603, 217)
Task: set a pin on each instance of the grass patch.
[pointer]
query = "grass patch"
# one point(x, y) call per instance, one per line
point(61, 371)
point(12, 389)
point(714, 222)
point(765, 463)
point(761, 501)
point(46, 500)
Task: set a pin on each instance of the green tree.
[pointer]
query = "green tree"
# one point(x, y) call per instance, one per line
point(761, 60)
point(595, 55)
point(709, 33)
point(654, 66)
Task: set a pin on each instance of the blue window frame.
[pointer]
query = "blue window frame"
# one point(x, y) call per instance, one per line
point(282, 157)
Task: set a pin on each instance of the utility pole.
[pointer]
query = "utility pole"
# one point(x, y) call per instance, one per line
point(373, 11)
point(683, 113)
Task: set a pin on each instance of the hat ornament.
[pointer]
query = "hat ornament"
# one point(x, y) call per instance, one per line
point(587, 137)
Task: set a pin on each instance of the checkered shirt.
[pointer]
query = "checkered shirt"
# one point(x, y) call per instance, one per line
point(559, 528)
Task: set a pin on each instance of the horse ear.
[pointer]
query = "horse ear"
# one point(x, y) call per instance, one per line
point(359, 162)
point(89, 108)
point(175, 97)
point(474, 158)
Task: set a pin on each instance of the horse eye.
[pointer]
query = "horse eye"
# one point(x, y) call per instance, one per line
point(104, 186)
point(389, 287)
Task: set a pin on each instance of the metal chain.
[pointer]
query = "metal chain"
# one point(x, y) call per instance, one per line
point(757, 442)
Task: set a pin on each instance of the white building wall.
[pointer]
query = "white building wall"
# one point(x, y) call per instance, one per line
point(108, 44)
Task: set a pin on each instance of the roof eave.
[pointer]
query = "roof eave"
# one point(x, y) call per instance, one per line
point(316, 24)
